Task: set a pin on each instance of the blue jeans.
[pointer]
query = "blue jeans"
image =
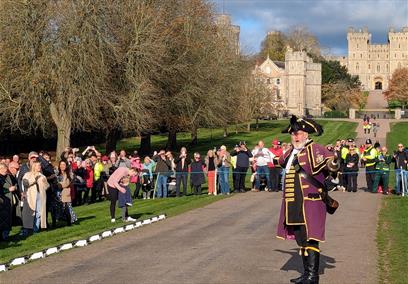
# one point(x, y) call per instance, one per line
point(37, 217)
point(161, 186)
point(262, 170)
point(223, 176)
point(398, 181)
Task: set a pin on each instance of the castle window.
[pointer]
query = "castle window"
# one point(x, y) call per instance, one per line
point(361, 55)
point(378, 56)
point(378, 68)
point(369, 66)
point(395, 55)
point(277, 81)
point(357, 45)
point(354, 55)
point(357, 67)
point(399, 45)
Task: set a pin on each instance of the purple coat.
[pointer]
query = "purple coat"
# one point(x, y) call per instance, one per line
point(301, 202)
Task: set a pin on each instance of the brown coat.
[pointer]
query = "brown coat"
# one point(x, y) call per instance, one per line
point(66, 189)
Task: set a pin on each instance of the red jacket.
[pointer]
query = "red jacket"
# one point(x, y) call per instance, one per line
point(277, 152)
point(89, 177)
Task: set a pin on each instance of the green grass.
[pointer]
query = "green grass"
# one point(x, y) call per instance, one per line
point(392, 233)
point(268, 130)
point(398, 134)
point(95, 218)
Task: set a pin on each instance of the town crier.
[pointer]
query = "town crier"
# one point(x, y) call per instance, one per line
point(309, 169)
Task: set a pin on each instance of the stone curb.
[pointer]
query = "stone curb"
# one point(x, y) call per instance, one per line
point(79, 243)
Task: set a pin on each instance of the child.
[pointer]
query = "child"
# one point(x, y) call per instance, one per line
point(125, 200)
point(197, 174)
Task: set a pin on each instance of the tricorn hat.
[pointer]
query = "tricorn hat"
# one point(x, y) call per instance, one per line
point(304, 124)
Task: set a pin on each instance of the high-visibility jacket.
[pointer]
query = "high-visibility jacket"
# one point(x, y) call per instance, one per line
point(344, 152)
point(371, 155)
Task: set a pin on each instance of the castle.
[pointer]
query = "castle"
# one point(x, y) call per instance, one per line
point(375, 63)
point(230, 31)
point(295, 83)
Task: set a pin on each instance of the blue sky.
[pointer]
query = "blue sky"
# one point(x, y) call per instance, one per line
point(327, 19)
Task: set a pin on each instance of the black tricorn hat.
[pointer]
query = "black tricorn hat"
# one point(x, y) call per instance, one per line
point(304, 124)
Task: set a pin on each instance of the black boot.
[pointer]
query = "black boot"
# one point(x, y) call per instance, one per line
point(305, 272)
point(313, 259)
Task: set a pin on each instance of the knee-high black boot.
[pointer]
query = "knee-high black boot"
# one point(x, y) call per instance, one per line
point(305, 272)
point(313, 259)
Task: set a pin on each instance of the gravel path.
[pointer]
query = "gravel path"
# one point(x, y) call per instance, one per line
point(229, 241)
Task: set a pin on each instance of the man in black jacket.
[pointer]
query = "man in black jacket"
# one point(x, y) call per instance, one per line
point(400, 158)
point(242, 165)
point(182, 163)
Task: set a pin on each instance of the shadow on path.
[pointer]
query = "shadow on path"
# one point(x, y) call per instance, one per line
point(295, 262)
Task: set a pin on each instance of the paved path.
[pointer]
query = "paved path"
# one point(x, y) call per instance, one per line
point(230, 241)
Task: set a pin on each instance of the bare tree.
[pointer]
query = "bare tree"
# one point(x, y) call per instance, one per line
point(301, 39)
point(55, 61)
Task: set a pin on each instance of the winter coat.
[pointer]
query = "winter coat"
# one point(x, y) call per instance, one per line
point(197, 172)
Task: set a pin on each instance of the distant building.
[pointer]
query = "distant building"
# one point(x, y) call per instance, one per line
point(231, 31)
point(295, 83)
point(375, 63)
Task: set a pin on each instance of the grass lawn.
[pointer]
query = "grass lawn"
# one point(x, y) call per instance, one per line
point(95, 218)
point(268, 130)
point(398, 134)
point(392, 242)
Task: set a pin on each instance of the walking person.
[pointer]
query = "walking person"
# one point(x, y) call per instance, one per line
point(400, 159)
point(303, 212)
point(211, 162)
point(369, 158)
point(197, 174)
point(351, 168)
point(182, 163)
point(242, 164)
point(115, 184)
point(224, 164)
point(382, 168)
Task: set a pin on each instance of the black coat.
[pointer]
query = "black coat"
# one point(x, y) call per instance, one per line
point(197, 173)
point(351, 159)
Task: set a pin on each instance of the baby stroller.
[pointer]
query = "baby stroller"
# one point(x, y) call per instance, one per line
point(147, 184)
point(171, 185)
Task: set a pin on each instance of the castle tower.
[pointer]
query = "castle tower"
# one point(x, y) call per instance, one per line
point(358, 54)
point(398, 55)
point(295, 67)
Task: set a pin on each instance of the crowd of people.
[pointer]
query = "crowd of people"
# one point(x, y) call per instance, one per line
point(31, 191)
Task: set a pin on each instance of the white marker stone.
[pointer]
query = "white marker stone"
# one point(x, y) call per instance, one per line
point(2, 268)
point(106, 234)
point(94, 238)
point(66, 246)
point(162, 217)
point(129, 227)
point(37, 255)
point(146, 222)
point(119, 230)
point(155, 219)
point(18, 261)
point(81, 243)
point(138, 224)
point(51, 251)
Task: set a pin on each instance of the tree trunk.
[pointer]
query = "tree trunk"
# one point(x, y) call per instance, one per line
point(145, 144)
point(236, 128)
point(63, 122)
point(194, 136)
point(172, 140)
point(257, 123)
point(112, 137)
point(225, 132)
point(249, 127)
